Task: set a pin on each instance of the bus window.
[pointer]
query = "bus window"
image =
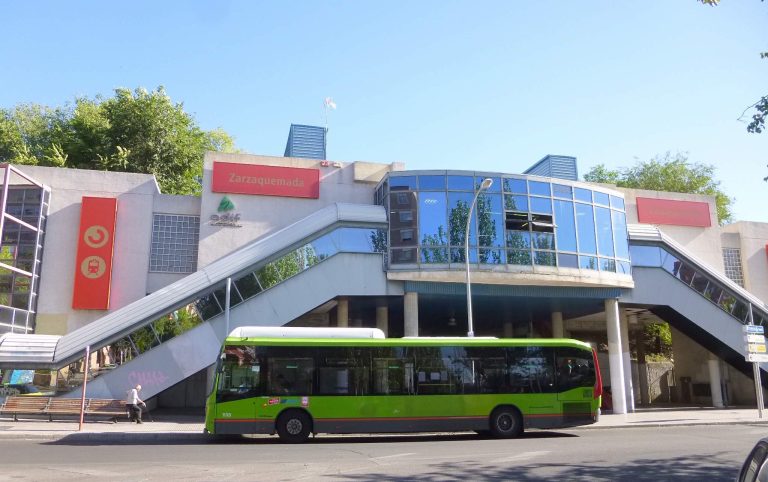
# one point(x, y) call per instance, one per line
point(290, 376)
point(531, 369)
point(343, 371)
point(436, 372)
point(393, 372)
point(240, 374)
point(575, 368)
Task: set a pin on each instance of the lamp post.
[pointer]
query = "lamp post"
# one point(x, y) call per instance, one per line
point(483, 186)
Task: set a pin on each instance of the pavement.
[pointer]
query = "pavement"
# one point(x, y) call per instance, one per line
point(163, 425)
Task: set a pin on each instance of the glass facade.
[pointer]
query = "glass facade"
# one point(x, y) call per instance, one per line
point(732, 262)
point(517, 221)
point(21, 250)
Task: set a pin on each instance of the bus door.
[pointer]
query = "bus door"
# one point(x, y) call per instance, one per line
point(575, 381)
point(240, 380)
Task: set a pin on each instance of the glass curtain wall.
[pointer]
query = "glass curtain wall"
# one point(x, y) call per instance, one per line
point(517, 221)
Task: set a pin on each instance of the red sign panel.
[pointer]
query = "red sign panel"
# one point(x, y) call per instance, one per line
point(668, 211)
point(266, 180)
point(93, 265)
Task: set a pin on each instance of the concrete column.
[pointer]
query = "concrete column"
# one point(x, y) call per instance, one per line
point(626, 361)
point(557, 325)
point(411, 314)
point(509, 329)
point(382, 318)
point(342, 313)
point(714, 381)
point(615, 364)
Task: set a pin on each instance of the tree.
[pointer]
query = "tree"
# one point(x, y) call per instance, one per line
point(668, 173)
point(134, 131)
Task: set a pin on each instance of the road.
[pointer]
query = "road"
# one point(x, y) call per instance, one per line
point(709, 453)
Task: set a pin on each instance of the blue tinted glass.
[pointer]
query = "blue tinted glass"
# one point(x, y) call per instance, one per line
point(541, 205)
point(543, 240)
point(585, 223)
point(518, 239)
point(562, 191)
point(601, 198)
point(518, 257)
point(617, 203)
point(458, 209)
point(515, 203)
point(588, 262)
point(494, 187)
point(432, 183)
point(457, 255)
point(539, 188)
point(356, 240)
point(434, 255)
point(492, 256)
point(461, 183)
point(516, 186)
point(607, 265)
point(582, 194)
point(566, 226)
point(325, 246)
point(646, 256)
point(620, 234)
point(490, 218)
point(567, 260)
point(543, 258)
point(604, 231)
point(433, 224)
point(622, 267)
point(400, 183)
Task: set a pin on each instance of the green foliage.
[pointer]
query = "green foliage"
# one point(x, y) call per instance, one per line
point(134, 131)
point(657, 339)
point(668, 173)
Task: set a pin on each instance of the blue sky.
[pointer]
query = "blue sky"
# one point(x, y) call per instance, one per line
point(435, 84)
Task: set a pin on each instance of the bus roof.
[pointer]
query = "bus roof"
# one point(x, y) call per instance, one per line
point(420, 341)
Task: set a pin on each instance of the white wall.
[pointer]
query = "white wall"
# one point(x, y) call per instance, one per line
point(260, 215)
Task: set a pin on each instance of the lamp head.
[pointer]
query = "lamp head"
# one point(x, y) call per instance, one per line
point(487, 182)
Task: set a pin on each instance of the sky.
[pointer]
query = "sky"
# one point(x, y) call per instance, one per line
point(479, 85)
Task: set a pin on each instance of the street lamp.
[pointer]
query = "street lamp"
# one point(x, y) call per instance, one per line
point(483, 186)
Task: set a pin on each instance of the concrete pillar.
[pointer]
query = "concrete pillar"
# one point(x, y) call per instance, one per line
point(714, 381)
point(615, 364)
point(342, 313)
point(411, 314)
point(382, 318)
point(509, 329)
point(557, 325)
point(626, 361)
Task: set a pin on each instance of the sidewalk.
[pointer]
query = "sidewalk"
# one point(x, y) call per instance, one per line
point(185, 428)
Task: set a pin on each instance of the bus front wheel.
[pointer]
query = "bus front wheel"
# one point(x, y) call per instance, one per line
point(294, 426)
point(506, 422)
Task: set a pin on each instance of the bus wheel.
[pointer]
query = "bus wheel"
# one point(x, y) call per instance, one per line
point(506, 422)
point(294, 426)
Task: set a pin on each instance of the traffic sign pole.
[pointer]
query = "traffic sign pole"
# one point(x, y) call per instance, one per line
point(755, 365)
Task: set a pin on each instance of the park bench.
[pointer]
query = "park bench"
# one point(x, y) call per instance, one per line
point(24, 406)
point(52, 406)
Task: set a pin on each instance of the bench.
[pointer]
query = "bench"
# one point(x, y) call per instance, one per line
point(52, 406)
point(24, 406)
point(107, 407)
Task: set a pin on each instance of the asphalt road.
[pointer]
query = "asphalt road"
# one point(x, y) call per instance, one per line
point(698, 453)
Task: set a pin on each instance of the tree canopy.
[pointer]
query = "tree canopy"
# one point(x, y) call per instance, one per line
point(134, 131)
point(671, 173)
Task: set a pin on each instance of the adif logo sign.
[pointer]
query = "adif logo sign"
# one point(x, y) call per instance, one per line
point(226, 217)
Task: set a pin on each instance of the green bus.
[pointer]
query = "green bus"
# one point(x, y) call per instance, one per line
point(301, 381)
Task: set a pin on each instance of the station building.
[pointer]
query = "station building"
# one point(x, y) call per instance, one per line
point(105, 260)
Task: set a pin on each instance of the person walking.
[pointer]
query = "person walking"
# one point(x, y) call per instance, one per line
point(133, 402)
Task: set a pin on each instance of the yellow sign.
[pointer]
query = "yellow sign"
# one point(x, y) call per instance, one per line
point(756, 348)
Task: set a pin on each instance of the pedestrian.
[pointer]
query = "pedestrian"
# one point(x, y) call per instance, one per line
point(133, 402)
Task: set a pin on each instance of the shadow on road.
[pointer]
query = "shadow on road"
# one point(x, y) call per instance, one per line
point(123, 438)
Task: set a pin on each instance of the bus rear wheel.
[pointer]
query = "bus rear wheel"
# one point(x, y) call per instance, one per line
point(294, 426)
point(506, 422)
